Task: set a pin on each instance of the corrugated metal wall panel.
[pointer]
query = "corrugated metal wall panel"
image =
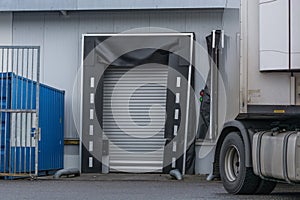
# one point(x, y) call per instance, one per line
point(96, 22)
point(67, 28)
point(134, 103)
point(6, 28)
point(134, 20)
point(176, 21)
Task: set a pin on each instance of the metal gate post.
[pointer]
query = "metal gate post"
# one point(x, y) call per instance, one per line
point(37, 136)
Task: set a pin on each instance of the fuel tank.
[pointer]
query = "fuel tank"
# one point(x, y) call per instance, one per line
point(277, 155)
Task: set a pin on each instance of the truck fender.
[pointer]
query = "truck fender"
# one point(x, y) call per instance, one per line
point(232, 126)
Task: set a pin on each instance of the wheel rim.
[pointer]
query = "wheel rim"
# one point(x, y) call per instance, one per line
point(232, 163)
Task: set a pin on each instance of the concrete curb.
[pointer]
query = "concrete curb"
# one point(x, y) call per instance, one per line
point(128, 177)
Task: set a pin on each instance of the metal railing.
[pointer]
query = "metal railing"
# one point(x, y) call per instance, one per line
point(19, 106)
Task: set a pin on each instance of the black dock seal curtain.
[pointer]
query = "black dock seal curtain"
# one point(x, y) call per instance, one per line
point(136, 58)
point(213, 53)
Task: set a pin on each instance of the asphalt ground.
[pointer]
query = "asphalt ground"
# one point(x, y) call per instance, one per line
point(127, 186)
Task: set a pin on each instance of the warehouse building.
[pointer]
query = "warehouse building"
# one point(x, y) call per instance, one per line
point(73, 35)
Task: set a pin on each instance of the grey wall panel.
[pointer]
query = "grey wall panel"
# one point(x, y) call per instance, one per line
point(130, 21)
point(29, 30)
point(71, 158)
point(150, 4)
point(175, 21)
point(6, 28)
point(57, 5)
point(61, 43)
point(16, 5)
point(96, 22)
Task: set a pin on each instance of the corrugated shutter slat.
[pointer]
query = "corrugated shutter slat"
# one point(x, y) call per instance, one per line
point(134, 104)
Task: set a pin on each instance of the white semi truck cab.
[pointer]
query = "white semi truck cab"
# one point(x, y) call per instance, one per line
point(258, 141)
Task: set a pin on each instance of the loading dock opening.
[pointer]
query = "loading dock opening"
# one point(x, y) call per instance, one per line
point(159, 61)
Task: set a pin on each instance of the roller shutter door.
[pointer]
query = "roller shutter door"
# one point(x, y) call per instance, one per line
point(134, 104)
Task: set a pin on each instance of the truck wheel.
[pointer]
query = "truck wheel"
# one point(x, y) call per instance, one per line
point(236, 177)
point(265, 187)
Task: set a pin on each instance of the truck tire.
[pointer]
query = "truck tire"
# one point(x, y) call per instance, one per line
point(236, 177)
point(265, 187)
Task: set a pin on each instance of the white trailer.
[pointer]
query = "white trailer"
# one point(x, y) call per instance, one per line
point(258, 141)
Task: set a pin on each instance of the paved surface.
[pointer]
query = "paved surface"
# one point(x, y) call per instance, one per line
point(152, 187)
